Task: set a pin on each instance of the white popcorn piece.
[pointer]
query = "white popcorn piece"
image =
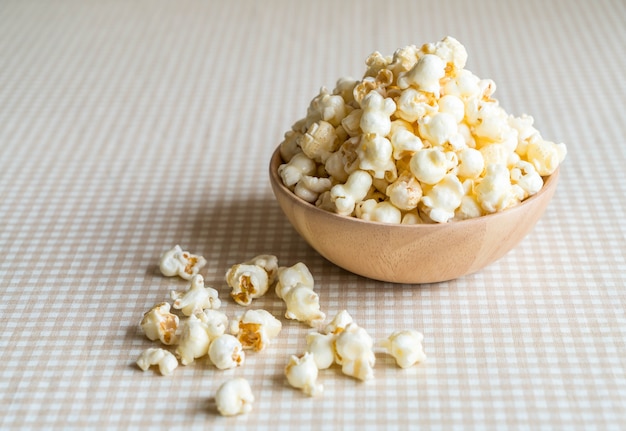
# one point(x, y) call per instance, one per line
point(302, 372)
point(403, 139)
point(353, 351)
point(310, 188)
point(545, 155)
point(376, 114)
point(293, 171)
point(345, 196)
point(166, 362)
point(196, 298)
point(234, 397)
point(405, 347)
point(289, 277)
point(441, 201)
point(255, 328)
point(450, 50)
point(413, 105)
point(524, 175)
point(182, 263)
point(439, 128)
point(494, 192)
point(194, 340)
point(320, 141)
point(226, 352)
point(471, 163)
point(303, 305)
point(375, 156)
point(327, 107)
point(215, 321)
point(382, 212)
point(321, 346)
point(431, 165)
point(425, 75)
point(405, 192)
point(159, 324)
point(453, 106)
point(247, 282)
point(338, 323)
point(289, 146)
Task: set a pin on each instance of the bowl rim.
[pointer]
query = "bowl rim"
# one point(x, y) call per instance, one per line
point(549, 182)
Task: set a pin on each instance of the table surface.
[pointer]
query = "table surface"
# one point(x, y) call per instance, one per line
point(127, 127)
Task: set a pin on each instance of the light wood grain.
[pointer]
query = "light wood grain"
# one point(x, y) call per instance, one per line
point(411, 254)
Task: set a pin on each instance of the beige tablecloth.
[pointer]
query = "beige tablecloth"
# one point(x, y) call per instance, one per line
point(127, 127)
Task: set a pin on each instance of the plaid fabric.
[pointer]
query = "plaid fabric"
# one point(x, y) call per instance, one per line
point(127, 127)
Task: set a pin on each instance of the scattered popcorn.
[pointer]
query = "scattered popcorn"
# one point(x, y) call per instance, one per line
point(288, 277)
point(197, 298)
point(226, 352)
point(405, 347)
point(339, 323)
point(424, 124)
point(234, 397)
point(160, 324)
point(156, 356)
point(194, 340)
point(353, 351)
point(182, 263)
point(301, 372)
point(247, 281)
point(303, 305)
point(215, 321)
point(322, 348)
point(255, 328)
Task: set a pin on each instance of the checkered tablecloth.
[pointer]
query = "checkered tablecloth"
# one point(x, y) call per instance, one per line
point(127, 127)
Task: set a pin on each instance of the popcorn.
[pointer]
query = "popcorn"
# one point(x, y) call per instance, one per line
point(160, 324)
point(545, 155)
point(345, 196)
point(320, 141)
point(425, 75)
point(295, 288)
point(182, 263)
point(353, 351)
point(494, 192)
point(255, 328)
point(339, 323)
point(405, 347)
point(293, 171)
point(309, 188)
point(441, 201)
point(226, 352)
point(194, 340)
point(417, 113)
point(234, 397)
point(197, 298)
point(375, 156)
point(156, 356)
point(247, 282)
point(215, 321)
point(377, 110)
point(303, 305)
point(322, 348)
point(431, 165)
point(383, 212)
point(405, 192)
point(288, 277)
point(301, 373)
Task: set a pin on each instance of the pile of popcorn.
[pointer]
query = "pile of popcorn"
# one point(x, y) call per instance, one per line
point(193, 326)
point(419, 139)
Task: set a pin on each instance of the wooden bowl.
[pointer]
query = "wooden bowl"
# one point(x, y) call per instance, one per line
point(413, 254)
